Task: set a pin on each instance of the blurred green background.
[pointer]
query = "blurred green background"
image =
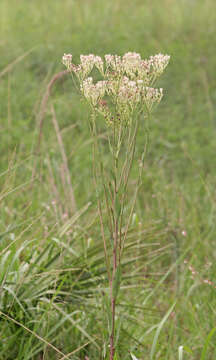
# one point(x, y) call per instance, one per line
point(176, 205)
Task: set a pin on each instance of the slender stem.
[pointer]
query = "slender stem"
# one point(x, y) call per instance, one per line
point(95, 177)
point(112, 336)
point(115, 237)
point(139, 182)
point(125, 176)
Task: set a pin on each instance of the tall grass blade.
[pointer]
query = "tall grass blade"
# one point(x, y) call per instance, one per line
point(206, 345)
point(160, 326)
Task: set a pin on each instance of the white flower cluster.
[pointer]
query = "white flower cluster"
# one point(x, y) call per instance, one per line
point(87, 62)
point(67, 60)
point(134, 67)
point(158, 63)
point(127, 83)
point(93, 92)
point(128, 92)
point(129, 64)
point(151, 96)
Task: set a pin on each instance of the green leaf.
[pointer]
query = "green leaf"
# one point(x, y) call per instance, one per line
point(207, 342)
point(118, 328)
point(117, 281)
point(117, 207)
point(161, 324)
point(107, 308)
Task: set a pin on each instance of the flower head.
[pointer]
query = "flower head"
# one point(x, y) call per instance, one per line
point(131, 63)
point(159, 63)
point(151, 96)
point(87, 63)
point(99, 64)
point(93, 92)
point(67, 60)
point(114, 62)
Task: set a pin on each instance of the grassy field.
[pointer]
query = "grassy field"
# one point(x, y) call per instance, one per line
point(52, 268)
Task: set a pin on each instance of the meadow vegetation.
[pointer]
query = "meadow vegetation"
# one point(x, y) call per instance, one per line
point(53, 277)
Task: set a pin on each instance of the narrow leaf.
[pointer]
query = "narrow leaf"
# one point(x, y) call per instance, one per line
point(161, 324)
point(117, 281)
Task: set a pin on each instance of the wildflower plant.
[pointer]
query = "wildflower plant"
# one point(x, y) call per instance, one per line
point(124, 97)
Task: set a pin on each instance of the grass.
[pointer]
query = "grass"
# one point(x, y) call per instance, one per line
point(53, 283)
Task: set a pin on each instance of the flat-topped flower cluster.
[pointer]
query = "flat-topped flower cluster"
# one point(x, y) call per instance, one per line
point(126, 86)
